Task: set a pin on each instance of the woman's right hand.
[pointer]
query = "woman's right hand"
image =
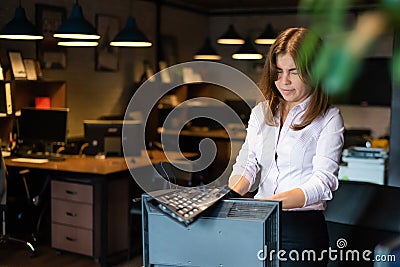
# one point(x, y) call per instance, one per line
point(239, 184)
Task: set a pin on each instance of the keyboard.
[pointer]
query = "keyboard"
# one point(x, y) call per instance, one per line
point(30, 160)
point(50, 157)
point(185, 204)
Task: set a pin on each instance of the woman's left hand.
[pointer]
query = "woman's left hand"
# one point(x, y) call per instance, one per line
point(291, 199)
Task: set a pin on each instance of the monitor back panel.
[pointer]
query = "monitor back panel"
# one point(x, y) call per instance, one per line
point(106, 136)
point(229, 234)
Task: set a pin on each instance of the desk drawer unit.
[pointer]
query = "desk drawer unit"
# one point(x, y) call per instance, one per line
point(76, 214)
point(72, 191)
point(72, 217)
point(72, 239)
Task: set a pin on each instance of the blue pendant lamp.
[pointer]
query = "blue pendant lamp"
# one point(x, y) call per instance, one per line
point(77, 27)
point(207, 52)
point(231, 37)
point(20, 28)
point(131, 36)
point(78, 42)
point(247, 51)
point(267, 37)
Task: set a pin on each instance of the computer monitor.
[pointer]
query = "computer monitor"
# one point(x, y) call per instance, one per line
point(105, 136)
point(40, 129)
point(233, 232)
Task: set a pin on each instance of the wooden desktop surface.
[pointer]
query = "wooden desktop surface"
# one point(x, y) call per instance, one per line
point(216, 133)
point(104, 166)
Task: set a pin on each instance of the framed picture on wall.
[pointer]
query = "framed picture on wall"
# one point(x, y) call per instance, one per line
point(48, 20)
point(106, 55)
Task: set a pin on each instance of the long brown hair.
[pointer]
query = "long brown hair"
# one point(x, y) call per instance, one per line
point(297, 42)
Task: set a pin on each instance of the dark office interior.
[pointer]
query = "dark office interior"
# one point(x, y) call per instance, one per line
point(72, 104)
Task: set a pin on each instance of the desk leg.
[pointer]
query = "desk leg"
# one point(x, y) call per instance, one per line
point(114, 209)
point(104, 222)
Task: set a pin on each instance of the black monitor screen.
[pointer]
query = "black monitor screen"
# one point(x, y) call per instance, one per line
point(42, 126)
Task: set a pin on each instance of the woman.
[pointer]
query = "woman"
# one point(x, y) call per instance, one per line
point(294, 139)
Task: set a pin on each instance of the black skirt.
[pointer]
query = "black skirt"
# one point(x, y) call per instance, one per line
point(304, 236)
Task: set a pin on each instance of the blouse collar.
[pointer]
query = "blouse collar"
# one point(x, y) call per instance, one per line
point(299, 107)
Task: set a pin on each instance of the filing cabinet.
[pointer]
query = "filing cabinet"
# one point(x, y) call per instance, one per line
point(72, 217)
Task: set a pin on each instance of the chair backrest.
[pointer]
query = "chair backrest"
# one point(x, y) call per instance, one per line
point(365, 204)
point(364, 215)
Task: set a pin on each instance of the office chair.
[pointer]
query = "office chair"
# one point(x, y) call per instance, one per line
point(4, 237)
point(37, 204)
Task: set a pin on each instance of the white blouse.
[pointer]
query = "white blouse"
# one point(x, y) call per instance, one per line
point(286, 159)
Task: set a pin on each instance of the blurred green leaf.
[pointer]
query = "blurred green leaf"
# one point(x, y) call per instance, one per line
point(344, 67)
point(396, 67)
point(392, 7)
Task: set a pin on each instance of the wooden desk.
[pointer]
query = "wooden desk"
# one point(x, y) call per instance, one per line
point(93, 165)
point(215, 134)
point(90, 201)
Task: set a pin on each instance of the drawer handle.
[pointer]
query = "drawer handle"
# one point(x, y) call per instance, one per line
point(72, 214)
point(70, 239)
point(69, 192)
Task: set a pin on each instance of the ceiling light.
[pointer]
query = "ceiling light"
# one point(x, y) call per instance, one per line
point(247, 51)
point(231, 37)
point(207, 52)
point(267, 37)
point(131, 36)
point(76, 42)
point(20, 28)
point(76, 26)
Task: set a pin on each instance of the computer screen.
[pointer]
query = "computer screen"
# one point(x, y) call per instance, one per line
point(106, 136)
point(233, 232)
point(42, 128)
